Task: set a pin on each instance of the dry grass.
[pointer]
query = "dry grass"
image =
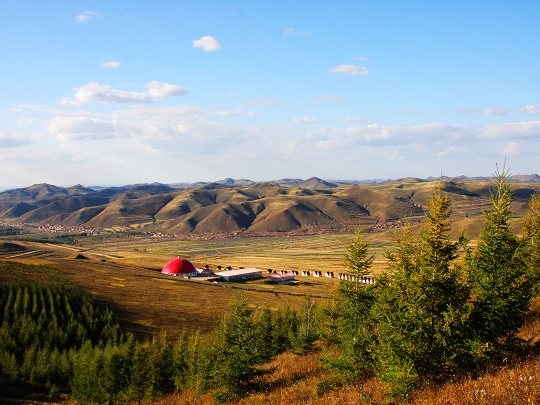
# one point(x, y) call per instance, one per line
point(314, 252)
point(148, 302)
point(514, 384)
point(295, 381)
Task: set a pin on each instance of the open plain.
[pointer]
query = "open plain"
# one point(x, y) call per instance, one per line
point(125, 274)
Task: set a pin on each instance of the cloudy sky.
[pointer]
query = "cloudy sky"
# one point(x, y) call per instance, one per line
point(122, 92)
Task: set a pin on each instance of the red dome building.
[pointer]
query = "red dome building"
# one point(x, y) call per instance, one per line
point(180, 267)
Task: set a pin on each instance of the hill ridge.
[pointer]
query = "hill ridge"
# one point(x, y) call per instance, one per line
point(232, 205)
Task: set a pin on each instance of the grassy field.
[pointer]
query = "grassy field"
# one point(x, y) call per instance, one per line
point(319, 252)
point(124, 273)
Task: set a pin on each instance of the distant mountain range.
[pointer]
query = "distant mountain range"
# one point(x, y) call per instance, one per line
point(231, 205)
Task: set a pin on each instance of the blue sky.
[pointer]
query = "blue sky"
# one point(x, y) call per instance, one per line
point(122, 92)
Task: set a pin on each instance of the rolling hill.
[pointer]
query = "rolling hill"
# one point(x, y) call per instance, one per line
point(243, 205)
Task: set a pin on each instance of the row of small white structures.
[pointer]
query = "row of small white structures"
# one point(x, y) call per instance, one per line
point(329, 274)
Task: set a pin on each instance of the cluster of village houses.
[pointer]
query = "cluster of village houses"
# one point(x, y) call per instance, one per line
point(183, 268)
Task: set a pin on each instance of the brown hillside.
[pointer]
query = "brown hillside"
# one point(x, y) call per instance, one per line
point(18, 210)
point(231, 206)
point(287, 213)
point(381, 206)
point(77, 218)
point(316, 183)
point(215, 218)
point(60, 209)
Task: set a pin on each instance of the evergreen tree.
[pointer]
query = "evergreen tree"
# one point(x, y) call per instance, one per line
point(284, 329)
point(114, 380)
point(265, 334)
point(349, 321)
point(87, 373)
point(531, 226)
point(239, 353)
point(140, 385)
point(422, 305)
point(195, 362)
point(161, 366)
point(309, 326)
point(500, 266)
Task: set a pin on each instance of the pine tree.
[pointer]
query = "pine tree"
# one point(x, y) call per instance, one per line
point(114, 377)
point(349, 321)
point(161, 366)
point(422, 305)
point(500, 266)
point(196, 362)
point(86, 379)
point(309, 326)
point(139, 369)
point(265, 333)
point(239, 354)
point(531, 226)
point(284, 329)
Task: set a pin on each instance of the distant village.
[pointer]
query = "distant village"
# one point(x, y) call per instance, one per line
point(82, 230)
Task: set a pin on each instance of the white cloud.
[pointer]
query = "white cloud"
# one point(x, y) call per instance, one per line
point(449, 151)
point(350, 70)
point(157, 90)
point(228, 113)
point(11, 140)
point(511, 148)
point(207, 43)
point(495, 112)
point(432, 137)
point(27, 121)
point(94, 92)
point(252, 114)
point(293, 33)
point(110, 65)
point(375, 131)
point(306, 120)
point(148, 139)
point(79, 128)
point(530, 109)
point(510, 130)
point(361, 58)
point(85, 16)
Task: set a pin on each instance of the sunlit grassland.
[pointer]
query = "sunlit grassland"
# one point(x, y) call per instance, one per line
point(319, 252)
point(118, 272)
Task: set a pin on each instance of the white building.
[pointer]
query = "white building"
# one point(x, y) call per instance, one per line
point(240, 274)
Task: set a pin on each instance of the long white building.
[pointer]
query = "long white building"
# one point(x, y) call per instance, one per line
point(240, 274)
